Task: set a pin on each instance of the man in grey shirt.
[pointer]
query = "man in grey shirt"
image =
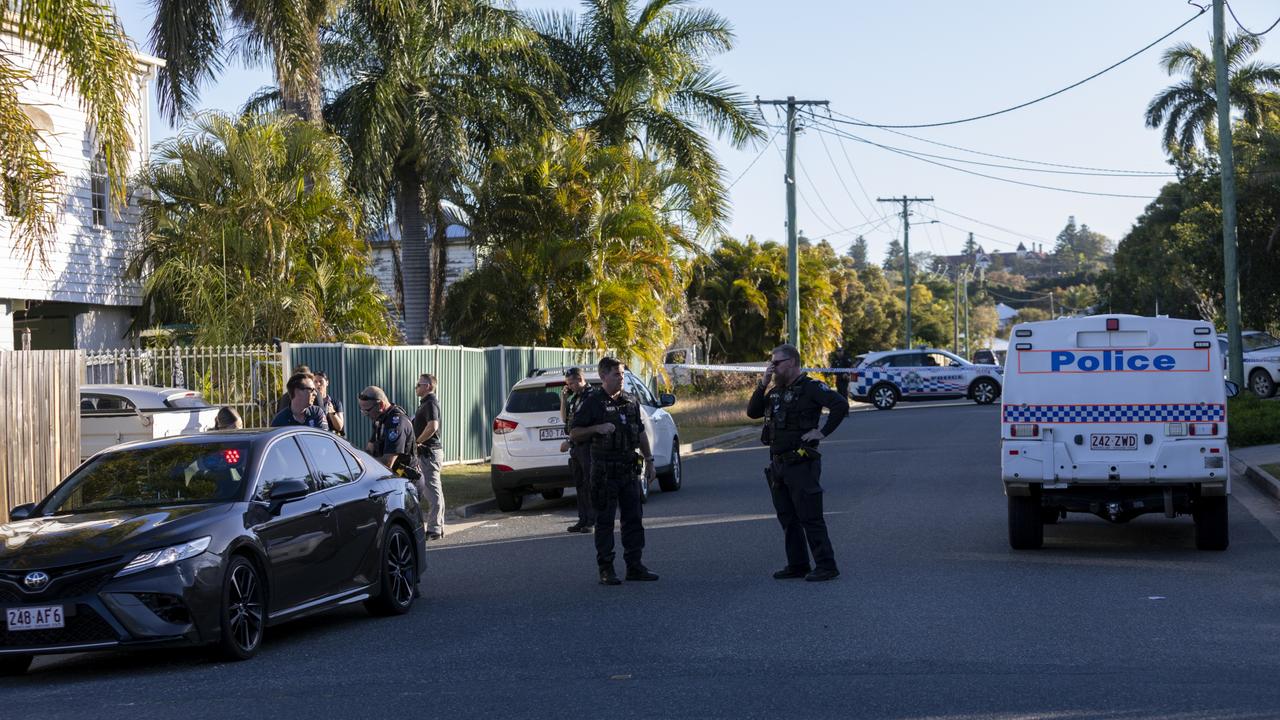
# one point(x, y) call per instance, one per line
point(426, 426)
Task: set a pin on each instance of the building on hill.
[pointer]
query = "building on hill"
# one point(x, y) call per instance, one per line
point(80, 297)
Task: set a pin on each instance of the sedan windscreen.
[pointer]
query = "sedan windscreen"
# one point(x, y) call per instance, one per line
point(174, 474)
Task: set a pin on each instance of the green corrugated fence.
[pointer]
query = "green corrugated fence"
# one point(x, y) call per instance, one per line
point(471, 383)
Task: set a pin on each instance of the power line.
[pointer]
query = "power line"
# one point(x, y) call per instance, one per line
point(985, 175)
point(763, 149)
point(1033, 238)
point(1247, 30)
point(860, 123)
point(884, 218)
point(1042, 98)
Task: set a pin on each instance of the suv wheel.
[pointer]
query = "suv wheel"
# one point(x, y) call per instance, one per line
point(1261, 384)
point(508, 501)
point(670, 480)
point(884, 396)
point(14, 664)
point(984, 391)
point(644, 488)
point(553, 494)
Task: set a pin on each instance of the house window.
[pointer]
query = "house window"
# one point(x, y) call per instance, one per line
point(98, 189)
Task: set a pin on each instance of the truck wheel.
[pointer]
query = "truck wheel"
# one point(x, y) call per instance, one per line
point(1261, 384)
point(1210, 515)
point(884, 396)
point(1026, 528)
point(984, 391)
point(1050, 516)
point(508, 501)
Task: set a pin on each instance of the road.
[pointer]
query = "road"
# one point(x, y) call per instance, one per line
point(933, 617)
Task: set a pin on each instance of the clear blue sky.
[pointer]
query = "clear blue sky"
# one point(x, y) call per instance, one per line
point(920, 61)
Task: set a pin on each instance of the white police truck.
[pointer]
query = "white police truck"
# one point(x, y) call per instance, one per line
point(1117, 416)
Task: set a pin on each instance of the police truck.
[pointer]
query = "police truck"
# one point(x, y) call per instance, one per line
point(1117, 416)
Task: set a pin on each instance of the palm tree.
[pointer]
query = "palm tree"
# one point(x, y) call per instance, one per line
point(642, 75)
point(1188, 109)
point(193, 38)
point(82, 41)
point(249, 232)
point(431, 84)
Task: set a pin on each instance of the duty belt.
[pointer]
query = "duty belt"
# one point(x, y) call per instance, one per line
point(798, 455)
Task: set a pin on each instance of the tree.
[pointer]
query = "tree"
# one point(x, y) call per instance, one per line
point(194, 37)
point(893, 256)
point(428, 87)
point(248, 232)
point(641, 75)
point(858, 252)
point(1188, 108)
point(83, 46)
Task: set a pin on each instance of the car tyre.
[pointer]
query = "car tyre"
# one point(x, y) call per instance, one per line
point(1026, 527)
point(1261, 384)
point(553, 494)
point(243, 612)
point(644, 487)
point(1212, 527)
point(984, 391)
point(398, 575)
point(508, 501)
point(884, 396)
point(670, 481)
point(14, 664)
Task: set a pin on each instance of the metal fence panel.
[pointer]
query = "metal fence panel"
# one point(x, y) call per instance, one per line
point(40, 436)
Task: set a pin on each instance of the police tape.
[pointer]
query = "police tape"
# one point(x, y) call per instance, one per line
point(753, 369)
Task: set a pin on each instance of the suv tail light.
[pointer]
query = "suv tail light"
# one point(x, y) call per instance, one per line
point(1024, 430)
point(1202, 429)
point(502, 427)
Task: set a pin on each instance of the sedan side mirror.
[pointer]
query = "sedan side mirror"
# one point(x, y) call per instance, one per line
point(666, 400)
point(22, 512)
point(288, 489)
point(954, 363)
point(1232, 389)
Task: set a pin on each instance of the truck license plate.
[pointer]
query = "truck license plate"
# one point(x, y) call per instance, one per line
point(552, 433)
point(34, 618)
point(1113, 442)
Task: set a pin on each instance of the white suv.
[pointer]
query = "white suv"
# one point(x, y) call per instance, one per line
point(1261, 361)
point(528, 432)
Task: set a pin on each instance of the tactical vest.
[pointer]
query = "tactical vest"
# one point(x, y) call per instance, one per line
point(571, 406)
point(623, 412)
point(791, 413)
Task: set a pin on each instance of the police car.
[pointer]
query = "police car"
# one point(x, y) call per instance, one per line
point(1261, 361)
point(1117, 416)
point(884, 378)
point(528, 432)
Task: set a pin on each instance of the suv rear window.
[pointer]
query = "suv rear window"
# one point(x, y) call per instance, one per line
point(538, 398)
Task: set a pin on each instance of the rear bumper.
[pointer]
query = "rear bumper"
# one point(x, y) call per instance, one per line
point(530, 479)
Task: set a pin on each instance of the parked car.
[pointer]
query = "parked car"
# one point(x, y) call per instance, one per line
point(205, 539)
point(114, 414)
point(987, 356)
point(528, 432)
point(884, 378)
point(1261, 361)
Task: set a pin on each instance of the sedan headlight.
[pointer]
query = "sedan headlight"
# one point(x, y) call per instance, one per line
point(165, 556)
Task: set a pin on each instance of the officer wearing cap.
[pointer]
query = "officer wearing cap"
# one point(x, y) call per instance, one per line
point(609, 418)
point(793, 408)
point(393, 440)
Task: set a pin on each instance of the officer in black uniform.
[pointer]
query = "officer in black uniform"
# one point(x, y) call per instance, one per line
point(393, 440)
point(840, 359)
point(610, 420)
point(575, 391)
point(793, 408)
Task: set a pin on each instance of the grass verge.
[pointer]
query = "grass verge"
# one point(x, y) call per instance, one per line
point(1273, 469)
point(1252, 421)
point(465, 484)
point(702, 416)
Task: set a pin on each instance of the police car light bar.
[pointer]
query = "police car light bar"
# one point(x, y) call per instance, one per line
point(1024, 430)
point(1113, 324)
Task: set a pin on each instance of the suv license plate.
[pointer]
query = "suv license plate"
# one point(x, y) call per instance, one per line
point(552, 433)
point(34, 618)
point(1113, 442)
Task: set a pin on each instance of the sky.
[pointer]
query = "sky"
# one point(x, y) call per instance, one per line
point(917, 62)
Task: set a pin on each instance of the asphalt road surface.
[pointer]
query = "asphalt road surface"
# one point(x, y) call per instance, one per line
point(933, 616)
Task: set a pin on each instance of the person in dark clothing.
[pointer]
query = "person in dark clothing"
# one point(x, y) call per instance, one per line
point(301, 409)
point(392, 441)
point(331, 405)
point(609, 419)
point(842, 359)
point(575, 391)
point(284, 400)
point(426, 427)
point(793, 408)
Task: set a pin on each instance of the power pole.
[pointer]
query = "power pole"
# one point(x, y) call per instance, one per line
point(968, 349)
point(793, 247)
point(906, 250)
point(1231, 294)
point(955, 316)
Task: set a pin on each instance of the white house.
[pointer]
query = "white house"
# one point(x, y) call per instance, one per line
point(79, 298)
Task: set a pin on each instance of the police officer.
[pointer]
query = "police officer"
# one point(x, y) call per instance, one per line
point(610, 420)
point(392, 441)
point(793, 407)
point(301, 410)
point(575, 391)
point(840, 359)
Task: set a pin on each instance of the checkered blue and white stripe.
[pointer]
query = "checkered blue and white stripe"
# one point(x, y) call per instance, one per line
point(910, 383)
point(1049, 414)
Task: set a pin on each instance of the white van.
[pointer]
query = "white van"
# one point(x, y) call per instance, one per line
point(1118, 416)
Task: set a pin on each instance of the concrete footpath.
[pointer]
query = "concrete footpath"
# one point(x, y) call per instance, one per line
point(1247, 463)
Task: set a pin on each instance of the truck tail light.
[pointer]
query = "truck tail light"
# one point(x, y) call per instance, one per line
point(502, 427)
point(1202, 429)
point(1175, 429)
point(1024, 430)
